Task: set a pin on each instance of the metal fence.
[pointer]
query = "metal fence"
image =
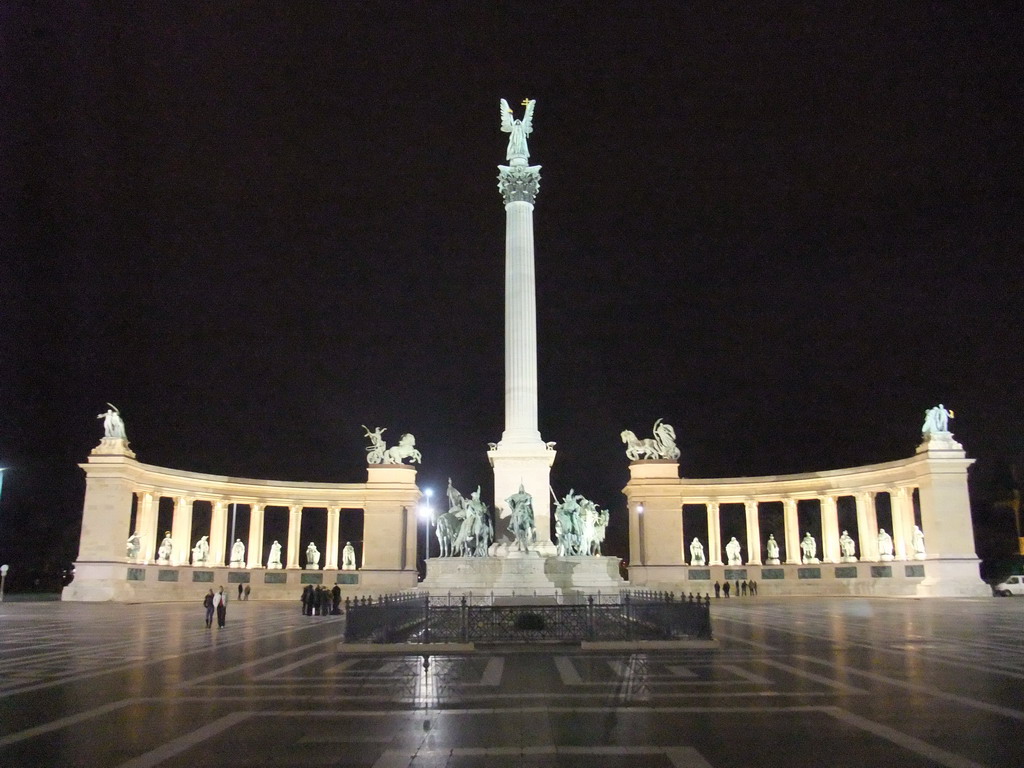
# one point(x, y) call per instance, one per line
point(634, 616)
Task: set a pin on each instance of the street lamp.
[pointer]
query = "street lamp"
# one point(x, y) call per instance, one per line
point(426, 512)
point(3, 578)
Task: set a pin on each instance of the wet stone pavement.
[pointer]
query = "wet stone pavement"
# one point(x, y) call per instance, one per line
point(797, 682)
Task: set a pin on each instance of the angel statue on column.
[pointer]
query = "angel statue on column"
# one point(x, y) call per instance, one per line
point(519, 130)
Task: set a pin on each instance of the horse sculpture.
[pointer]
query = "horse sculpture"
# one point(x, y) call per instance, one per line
point(662, 446)
point(406, 449)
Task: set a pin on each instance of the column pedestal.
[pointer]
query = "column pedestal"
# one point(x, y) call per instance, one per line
point(529, 464)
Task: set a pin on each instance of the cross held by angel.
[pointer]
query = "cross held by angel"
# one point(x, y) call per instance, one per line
point(517, 153)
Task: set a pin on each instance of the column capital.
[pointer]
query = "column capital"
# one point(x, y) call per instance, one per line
point(294, 508)
point(519, 183)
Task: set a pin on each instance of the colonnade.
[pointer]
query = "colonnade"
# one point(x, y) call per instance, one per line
point(901, 504)
point(115, 481)
point(146, 526)
point(936, 474)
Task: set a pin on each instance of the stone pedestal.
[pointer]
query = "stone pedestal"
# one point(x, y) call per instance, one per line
point(530, 465)
point(530, 575)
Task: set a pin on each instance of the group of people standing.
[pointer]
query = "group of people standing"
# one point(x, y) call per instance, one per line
point(744, 588)
point(216, 603)
point(321, 601)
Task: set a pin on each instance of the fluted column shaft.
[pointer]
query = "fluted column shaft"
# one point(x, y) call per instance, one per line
point(902, 507)
point(714, 534)
point(867, 526)
point(218, 533)
point(255, 548)
point(753, 532)
point(791, 523)
point(830, 529)
point(520, 326)
point(333, 514)
point(294, 531)
point(145, 525)
point(181, 531)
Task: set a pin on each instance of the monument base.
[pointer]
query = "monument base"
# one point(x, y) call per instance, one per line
point(516, 576)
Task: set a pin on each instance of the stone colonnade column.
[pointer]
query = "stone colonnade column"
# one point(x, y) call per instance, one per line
point(255, 549)
point(791, 524)
point(714, 534)
point(906, 519)
point(218, 532)
point(294, 531)
point(145, 524)
point(181, 531)
point(829, 529)
point(333, 515)
point(867, 525)
point(897, 507)
point(753, 532)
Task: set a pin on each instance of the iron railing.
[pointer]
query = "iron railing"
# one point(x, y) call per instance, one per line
point(418, 618)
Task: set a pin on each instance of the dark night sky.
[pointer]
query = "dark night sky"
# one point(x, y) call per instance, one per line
point(253, 227)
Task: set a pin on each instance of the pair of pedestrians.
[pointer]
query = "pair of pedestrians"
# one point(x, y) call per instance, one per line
point(216, 603)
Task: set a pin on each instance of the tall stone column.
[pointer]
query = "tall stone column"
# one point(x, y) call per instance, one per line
point(255, 549)
point(867, 526)
point(218, 532)
point(791, 522)
point(522, 456)
point(898, 503)
point(181, 531)
point(145, 524)
point(829, 529)
point(714, 534)
point(333, 515)
point(294, 531)
point(753, 532)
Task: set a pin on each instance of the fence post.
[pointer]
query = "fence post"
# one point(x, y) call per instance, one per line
point(463, 620)
point(426, 619)
point(629, 619)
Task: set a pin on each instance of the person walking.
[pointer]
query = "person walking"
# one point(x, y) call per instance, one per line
point(248, 589)
point(726, 587)
point(220, 602)
point(240, 588)
point(718, 590)
point(743, 587)
point(208, 605)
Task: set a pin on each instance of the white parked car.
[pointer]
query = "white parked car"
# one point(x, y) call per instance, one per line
point(1014, 585)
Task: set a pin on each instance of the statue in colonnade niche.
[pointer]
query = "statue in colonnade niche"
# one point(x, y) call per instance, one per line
point(113, 424)
point(312, 557)
point(201, 551)
point(238, 554)
point(662, 446)
point(134, 546)
point(348, 557)
point(772, 547)
point(696, 552)
point(274, 559)
point(936, 420)
point(847, 547)
point(884, 545)
point(732, 552)
point(919, 553)
point(809, 548)
point(520, 507)
point(163, 553)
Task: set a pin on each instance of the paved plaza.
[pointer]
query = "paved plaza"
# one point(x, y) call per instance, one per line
point(797, 682)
